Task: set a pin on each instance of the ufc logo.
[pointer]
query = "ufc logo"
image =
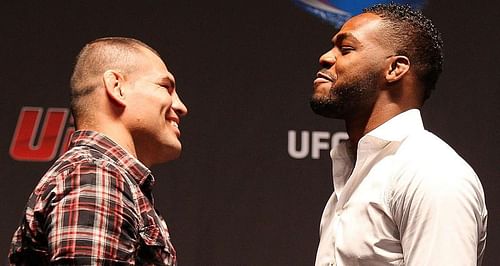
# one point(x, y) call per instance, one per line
point(312, 143)
point(40, 142)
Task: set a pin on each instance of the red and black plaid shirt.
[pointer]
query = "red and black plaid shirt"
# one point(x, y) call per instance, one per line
point(93, 207)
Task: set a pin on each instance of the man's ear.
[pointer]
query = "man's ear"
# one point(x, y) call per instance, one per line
point(399, 66)
point(113, 83)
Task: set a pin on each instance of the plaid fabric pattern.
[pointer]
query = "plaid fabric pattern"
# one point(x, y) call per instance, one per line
point(93, 207)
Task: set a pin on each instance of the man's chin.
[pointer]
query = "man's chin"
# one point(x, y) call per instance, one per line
point(166, 153)
point(326, 108)
point(173, 152)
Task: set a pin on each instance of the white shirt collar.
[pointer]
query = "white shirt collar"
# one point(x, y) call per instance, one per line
point(399, 127)
point(395, 129)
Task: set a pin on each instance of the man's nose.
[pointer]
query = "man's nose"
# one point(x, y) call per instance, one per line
point(328, 59)
point(178, 106)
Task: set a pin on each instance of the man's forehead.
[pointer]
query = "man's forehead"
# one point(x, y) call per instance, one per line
point(362, 24)
point(149, 58)
point(151, 65)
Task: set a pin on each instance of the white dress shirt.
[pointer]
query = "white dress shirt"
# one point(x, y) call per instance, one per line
point(408, 199)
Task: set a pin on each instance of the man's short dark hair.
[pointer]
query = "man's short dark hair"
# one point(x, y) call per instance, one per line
point(93, 60)
point(416, 37)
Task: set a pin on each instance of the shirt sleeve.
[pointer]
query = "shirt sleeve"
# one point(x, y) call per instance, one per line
point(442, 217)
point(92, 218)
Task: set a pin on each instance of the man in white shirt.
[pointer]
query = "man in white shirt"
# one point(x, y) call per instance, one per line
point(401, 196)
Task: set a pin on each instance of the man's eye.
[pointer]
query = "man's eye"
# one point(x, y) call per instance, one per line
point(169, 88)
point(346, 49)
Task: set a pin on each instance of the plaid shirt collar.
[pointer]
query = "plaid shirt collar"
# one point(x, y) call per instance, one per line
point(115, 153)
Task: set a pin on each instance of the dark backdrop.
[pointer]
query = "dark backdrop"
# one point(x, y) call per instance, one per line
point(244, 69)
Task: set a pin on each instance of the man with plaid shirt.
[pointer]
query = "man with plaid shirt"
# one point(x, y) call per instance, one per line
point(95, 205)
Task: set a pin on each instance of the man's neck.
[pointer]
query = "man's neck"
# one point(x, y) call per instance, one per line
point(361, 124)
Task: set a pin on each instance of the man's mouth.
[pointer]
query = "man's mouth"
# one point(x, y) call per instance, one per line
point(174, 124)
point(173, 121)
point(325, 75)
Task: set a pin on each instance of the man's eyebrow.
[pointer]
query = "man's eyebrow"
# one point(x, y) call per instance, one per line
point(342, 36)
point(167, 80)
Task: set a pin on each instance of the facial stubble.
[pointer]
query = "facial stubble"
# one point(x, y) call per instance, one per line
point(347, 100)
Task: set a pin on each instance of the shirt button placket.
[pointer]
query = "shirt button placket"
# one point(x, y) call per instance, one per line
point(336, 224)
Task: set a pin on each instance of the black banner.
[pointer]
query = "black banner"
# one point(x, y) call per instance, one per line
point(255, 173)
